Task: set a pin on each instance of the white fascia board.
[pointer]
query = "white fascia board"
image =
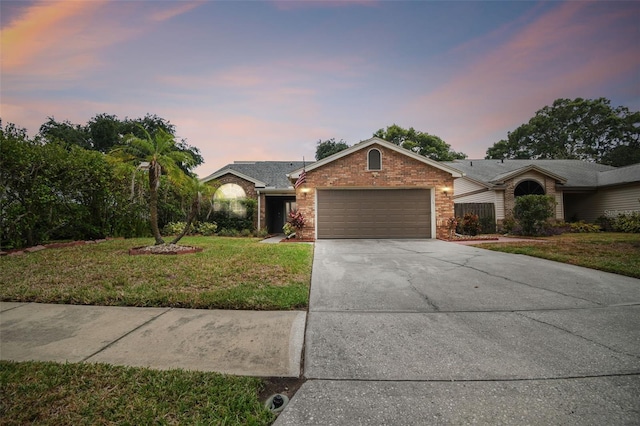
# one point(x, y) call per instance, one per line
point(365, 144)
point(227, 170)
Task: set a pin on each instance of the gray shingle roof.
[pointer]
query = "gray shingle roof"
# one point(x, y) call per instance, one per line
point(620, 175)
point(272, 173)
point(578, 173)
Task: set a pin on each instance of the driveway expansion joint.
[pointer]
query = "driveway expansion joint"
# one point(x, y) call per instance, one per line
point(522, 314)
point(488, 380)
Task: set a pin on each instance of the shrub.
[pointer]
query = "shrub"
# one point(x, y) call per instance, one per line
point(605, 223)
point(296, 219)
point(533, 211)
point(262, 233)
point(583, 227)
point(226, 232)
point(627, 223)
point(508, 223)
point(487, 225)
point(470, 224)
point(246, 233)
point(207, 228)
point(175, 228)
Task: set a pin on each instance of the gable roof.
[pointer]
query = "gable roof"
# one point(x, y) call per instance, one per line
point(264, 174)
point(501, 178)
point(571, 173)
point(367, 143)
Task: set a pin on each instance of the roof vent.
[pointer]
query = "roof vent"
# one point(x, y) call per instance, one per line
point(471, 164)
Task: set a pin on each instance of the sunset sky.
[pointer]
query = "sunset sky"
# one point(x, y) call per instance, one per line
point(266, 80)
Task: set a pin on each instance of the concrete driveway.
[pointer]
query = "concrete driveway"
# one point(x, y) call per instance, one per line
point(430, 332)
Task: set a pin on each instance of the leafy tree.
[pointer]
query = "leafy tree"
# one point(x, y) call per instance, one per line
point(66, 133)
point(163, 156)
point(104, 132)
point(533, 211)
point(329, 147)
point(419, 142)
point(51, 191)
point(583, 129)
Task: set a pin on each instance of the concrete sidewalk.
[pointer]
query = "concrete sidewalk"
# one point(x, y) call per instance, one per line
point(251, 343)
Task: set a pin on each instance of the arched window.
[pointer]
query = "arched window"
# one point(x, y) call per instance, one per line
point(374, 159)
point(228, 198)
point(528, 187)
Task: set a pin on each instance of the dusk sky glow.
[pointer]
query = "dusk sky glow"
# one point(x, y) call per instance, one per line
point(249, 80)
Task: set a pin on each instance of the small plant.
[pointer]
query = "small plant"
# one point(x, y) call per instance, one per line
point(296, 222)
point(452, 224)
point(470, 224)
point(288, 230)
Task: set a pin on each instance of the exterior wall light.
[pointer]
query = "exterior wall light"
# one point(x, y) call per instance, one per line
point(445, 190)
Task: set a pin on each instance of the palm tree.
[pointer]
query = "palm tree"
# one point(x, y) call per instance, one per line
point(163, 156)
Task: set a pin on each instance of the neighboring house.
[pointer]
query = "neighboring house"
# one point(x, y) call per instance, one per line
point(374, 189)
point(582, 190)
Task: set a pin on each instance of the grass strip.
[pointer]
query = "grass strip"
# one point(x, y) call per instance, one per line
point(606, 251)
point(230, 273)
point(49, 393)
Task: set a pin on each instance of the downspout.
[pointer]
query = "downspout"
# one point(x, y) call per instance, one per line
point(259, 211)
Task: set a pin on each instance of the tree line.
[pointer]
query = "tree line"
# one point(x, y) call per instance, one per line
point(110, 177)
point(578, 129)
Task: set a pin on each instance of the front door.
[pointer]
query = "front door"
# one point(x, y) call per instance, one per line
point(277, 210)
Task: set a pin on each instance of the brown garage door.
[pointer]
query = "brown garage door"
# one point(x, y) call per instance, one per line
point(374, 213)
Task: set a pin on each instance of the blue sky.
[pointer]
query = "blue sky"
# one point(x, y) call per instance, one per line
point(267, 80)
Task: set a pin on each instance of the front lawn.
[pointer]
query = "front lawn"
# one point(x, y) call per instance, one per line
point(230, 273)
point(607, 251)
point(99, 394)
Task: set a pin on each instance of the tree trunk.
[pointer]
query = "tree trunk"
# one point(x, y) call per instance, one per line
point(154, 175)
point(192, 216)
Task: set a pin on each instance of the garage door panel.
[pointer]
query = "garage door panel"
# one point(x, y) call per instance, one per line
point(374, 213)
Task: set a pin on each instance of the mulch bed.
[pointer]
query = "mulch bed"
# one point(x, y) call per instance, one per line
point(170, 249)
point(298, 240)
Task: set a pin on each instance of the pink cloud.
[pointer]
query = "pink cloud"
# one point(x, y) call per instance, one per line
point(181, 8)
point(300, 4)
point(561, 54)
point(42, 27)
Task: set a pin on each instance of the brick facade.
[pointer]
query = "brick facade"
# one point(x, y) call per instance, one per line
point(398, 171)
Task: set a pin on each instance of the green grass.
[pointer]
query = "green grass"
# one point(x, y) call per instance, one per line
point(607, 251)
point(100, 394)
point(230, 273)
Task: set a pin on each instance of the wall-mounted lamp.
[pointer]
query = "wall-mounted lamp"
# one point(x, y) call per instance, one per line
point(445, 191)
point(304, 190)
